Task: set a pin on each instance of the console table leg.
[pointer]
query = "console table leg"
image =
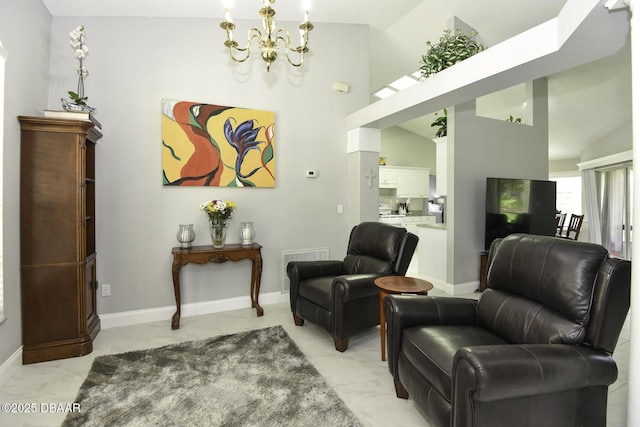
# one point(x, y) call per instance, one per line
point(175, 320)
point(256, 274)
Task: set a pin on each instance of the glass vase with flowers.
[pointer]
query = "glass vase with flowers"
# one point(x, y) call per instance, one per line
point(218, 211)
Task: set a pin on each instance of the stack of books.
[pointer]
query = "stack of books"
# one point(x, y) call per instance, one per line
point(73, 115)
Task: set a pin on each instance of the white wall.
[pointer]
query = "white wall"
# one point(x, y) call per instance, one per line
point(24, 31)
point(617, 141)
point(404, 148)
point(478, 148)
point(564, 166)
point(144, 60)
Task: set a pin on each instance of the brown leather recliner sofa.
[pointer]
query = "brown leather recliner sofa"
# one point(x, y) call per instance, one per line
point(340, 296)
point(534, 350)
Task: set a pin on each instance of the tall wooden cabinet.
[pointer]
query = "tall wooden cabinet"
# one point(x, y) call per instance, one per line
point(57, 238)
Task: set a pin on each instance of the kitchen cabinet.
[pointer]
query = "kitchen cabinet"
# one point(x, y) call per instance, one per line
point(422, 184)
point(406, 184)
point(432, 258)
point(411, 223)
point(413, 183)
point(388, 177)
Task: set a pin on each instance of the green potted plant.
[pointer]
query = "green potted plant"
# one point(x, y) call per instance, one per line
point(441, 124)
point(450, 50)
point(511, 119)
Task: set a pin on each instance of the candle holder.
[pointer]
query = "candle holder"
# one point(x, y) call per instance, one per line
point(247, 233)
point(185, 235)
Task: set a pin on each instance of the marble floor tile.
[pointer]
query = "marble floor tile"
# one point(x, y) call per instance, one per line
point(358, 375)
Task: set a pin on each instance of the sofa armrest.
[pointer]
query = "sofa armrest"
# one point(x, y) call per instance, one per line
point(302, 270)
point(406, 311)
point(489, 373)
point(356, 305)
point(298, 271)
point(354, 286)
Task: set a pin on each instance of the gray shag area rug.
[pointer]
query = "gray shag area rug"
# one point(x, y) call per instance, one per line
point(254, 378)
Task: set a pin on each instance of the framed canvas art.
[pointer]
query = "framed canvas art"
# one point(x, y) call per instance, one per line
point(217, 146)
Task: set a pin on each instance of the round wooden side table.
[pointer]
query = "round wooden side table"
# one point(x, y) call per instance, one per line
point(397, 285)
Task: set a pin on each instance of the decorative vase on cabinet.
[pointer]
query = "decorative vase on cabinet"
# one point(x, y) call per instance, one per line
point(57, 238)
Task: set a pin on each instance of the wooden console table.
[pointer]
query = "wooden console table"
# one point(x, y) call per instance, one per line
point(206, 254)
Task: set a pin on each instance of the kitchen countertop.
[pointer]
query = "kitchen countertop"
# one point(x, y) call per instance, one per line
point(436, 226)
point(410, 215)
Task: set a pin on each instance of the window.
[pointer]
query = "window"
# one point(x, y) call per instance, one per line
point(4, 55)
point(569, 194)
point(615, 190)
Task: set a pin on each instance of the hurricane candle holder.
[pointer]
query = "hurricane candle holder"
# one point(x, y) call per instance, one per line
point(247, 233)
point(185, 235)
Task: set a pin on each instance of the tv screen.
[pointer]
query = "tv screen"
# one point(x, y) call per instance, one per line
point(519, 206)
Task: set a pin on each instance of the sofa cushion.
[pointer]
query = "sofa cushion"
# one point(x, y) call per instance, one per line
point(362, 264)
point(373, 241)
point(318, 291)
point(531, 278)
point(522, 321)
point(431, 350)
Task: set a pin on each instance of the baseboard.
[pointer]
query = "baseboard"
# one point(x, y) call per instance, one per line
point(465, 288)
point(10, 365)
point(135, 317)
point(450, 288)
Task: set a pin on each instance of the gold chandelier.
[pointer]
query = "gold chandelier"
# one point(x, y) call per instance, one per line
point(270, 39)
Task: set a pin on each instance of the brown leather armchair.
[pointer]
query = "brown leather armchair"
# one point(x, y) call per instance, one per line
point(340, 296)
point(535, 349)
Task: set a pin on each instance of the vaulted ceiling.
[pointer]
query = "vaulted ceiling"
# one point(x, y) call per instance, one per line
point(586, 103)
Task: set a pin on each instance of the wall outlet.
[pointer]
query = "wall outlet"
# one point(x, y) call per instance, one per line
point(106, 290)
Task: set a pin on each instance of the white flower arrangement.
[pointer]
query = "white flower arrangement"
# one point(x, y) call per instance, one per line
point(81, 51)
point(218, 211)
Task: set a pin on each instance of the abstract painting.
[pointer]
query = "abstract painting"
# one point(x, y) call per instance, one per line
point(217, 146)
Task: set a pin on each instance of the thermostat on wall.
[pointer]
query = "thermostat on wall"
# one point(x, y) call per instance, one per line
point(312, 173)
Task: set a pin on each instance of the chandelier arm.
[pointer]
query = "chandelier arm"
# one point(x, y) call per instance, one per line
point(293, 63)
point(283, 36)
point(251, 34)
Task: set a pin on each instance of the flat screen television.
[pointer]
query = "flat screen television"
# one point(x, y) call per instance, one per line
point(519, 206)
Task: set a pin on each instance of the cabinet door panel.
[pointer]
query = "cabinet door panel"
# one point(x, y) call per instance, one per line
point(388, 178)
point(49, 304)
point(422, 184)
point(90, 289)
point(406, 184)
